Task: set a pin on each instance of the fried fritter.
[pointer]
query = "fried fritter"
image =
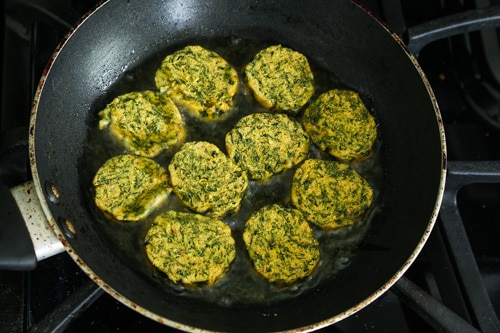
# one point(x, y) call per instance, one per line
point(190, 248)
point(280, 79)
point(206, 180)
point(144, 122)
point(339, 123)
point(281, 244)
point(200, 80)
point(330, 194)
point(130, 187)
point(265, 144)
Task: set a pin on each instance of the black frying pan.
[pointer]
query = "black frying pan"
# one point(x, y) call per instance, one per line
point(117, 48)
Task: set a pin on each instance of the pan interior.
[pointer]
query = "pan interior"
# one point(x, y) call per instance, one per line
point(118, 48)
point(241, 285)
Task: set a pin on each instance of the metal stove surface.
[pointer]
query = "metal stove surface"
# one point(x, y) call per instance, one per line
point(58, 297)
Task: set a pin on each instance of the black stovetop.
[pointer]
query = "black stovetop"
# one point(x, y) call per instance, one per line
point(462, 72)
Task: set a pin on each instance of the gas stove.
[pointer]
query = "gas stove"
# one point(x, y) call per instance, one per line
point(453, 285)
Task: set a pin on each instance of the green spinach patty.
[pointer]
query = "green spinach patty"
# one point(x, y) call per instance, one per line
point(265, 144)
point(145, 122)
point(190, 248)
point(281, 244)
point(280, 79)
point(206, 180)
point(339, 123)
point(129, 187)
point(199, 80)
point(330, 194)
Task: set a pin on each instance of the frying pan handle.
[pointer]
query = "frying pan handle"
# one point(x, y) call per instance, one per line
point(16, 249)
point(420, 35)
point(25, 236)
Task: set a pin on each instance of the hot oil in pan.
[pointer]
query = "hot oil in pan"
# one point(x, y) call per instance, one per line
point(241, 285)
